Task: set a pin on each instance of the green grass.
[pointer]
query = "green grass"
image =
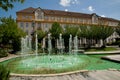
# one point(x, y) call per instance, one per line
point(101, 49)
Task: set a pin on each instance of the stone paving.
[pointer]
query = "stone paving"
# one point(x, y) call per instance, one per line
point(86, 75)
point(115, 58)
point(104, 52)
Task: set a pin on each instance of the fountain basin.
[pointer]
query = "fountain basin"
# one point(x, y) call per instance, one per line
point(49, 64)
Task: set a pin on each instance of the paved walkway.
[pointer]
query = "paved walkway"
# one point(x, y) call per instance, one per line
point(103, 52)
point(8, 57)
point(112, 57)
point(87, 75)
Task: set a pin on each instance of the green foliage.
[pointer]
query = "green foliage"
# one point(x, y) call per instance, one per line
point(55, 30)
point(118, 29)
point(105, 31)
point(41, 35)
point(3, 53)
point(4, 73)
point(6, 4)
point(10, 33)
point(73, 30)
point(96, 32)
point(86, 31)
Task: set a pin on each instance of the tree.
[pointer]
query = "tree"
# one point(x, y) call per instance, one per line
point(73, 30)
point(6, 4)
point(105, 32)
point(87, 32)
point(55, 31)
point(96, 32)
point(10, 33)
point(41, 35)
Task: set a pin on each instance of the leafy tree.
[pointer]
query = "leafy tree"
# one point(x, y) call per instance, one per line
point(86, 31)
point(105, 32)
point(6, 4)
point(73, 30)
point(96, 32)
point(41, 35)
point(10, 33)
point(55, 31)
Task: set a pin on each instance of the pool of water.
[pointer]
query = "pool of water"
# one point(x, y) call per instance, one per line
point(57, 63)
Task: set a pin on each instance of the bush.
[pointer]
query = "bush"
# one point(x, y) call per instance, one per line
point(4, 73)
point(16, 45)
point(3, 53)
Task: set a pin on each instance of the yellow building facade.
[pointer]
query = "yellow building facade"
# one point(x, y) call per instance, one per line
point(31, 19)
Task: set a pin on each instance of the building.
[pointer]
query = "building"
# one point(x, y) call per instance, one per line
point(31, 19)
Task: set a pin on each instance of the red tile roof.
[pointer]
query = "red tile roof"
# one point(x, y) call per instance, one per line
point(64, 13)
point(27, 10)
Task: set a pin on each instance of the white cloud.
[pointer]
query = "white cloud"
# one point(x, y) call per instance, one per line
point(66, 3)
point(90, 8)
point(66, 10)
point(103, 16)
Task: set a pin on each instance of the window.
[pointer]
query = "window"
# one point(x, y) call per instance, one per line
point(30, 17)
point(21, 24)
point(52, 18)
point(46, 17)
point(55, 18)
point(26, 17)
point(26, 25)
point(70, 19)
point(39, 26)
point(58, 19)
point(76, 20)
point(49, 18)
point(46, 26)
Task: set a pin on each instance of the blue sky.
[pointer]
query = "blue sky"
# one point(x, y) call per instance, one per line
point(105, 8)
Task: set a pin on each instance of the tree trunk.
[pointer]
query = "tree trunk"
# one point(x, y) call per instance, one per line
point(104, 43)
point(89, 43)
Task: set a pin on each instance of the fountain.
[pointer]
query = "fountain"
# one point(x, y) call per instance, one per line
point(61, 43)
point(49, 44)
point(26, 45)
point(46, 64)
point(70, 44)
point(43, 45)
point(75, 44)
point(36, 45)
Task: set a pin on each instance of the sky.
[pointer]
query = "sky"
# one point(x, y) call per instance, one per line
point(104, 8)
